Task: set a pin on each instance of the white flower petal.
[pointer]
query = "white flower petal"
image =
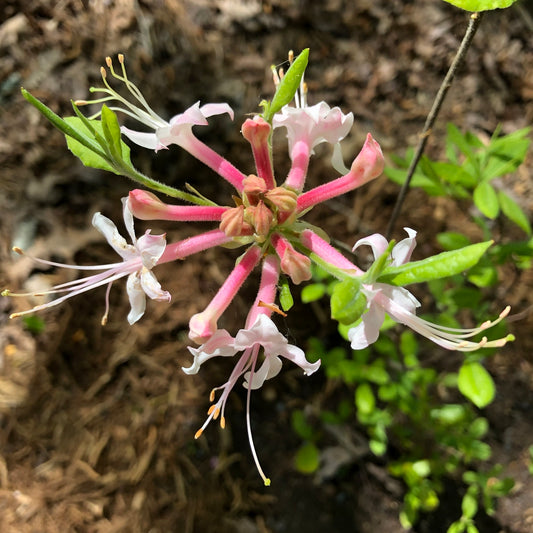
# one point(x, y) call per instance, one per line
point(377, 242)
point(367, 331)
point(146, 140)
point(401, 253)
point(108, 229)
point(137, 298)
point(219, 345)
point(152, 287)
point(270, 368)
point(151, 248)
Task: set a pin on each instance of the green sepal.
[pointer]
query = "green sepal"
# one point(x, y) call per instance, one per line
point(481, 5)
point(348, 303)
point(438, 266)
point(288, 86)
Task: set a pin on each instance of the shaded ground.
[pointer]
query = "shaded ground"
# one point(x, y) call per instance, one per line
point(97, 423)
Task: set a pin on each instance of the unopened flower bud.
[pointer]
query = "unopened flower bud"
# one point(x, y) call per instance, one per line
point(284, 199)
point(254, 187)
point(260, 217)
point(232, 222)
point(145, 205)
point(256, 131)
point(296, 265)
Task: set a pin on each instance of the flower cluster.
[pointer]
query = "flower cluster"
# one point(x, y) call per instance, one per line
point(265, 219)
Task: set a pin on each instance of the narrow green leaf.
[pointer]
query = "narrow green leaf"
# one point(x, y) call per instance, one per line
point(514, 212)
point(476, 384)
point(438, 266)
point(111, 129)
point(486, 200)
point(481, 5)
point(288, 85)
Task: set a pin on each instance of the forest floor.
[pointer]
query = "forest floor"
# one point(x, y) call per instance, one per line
point(97, 423)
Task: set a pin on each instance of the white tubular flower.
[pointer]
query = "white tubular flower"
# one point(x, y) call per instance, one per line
point(401, 305)
point(263, 334)
point(138, 260)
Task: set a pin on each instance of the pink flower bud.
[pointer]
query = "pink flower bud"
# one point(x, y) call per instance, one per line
point(254, 187)
point(256, 131)
point(260, 217)
point(232, 222)
point(284, 199)
point(296, 265)
point(145, 205)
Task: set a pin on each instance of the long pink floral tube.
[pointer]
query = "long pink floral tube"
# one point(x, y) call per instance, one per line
point(368, 165)
point(204, 324)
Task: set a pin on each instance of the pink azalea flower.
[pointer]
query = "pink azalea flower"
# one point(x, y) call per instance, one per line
point(138, 259)
point(401, 305)
point(306, 128)
point(176, 131)
point(263, 334)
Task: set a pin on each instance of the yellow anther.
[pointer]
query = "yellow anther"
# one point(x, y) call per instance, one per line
point(212, 396)
point(121, 58)
point(198, 433)
point(291, 56)
point(81, 102)
point(211, 409)
point(108, 61)
point(217, 412)
point(222, 422)
point(18, 250)
point(103, 72)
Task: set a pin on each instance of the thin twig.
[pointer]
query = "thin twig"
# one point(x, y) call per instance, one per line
point(473, 25)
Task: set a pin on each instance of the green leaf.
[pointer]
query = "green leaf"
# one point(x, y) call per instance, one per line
point(476, 384)
point(88, 156)
point(288, 86)
point(438, 266)
point(313, 292)
point(365, 400)
point(469, 504)
point(111, 130)
point(481, 5)
point(307, 458)
point(285, 297)
point(514, 212)
point(348, 303)
point(486, 200)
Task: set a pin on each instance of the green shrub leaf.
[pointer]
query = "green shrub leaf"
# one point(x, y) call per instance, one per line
point(476, 384)
point(438, 266)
